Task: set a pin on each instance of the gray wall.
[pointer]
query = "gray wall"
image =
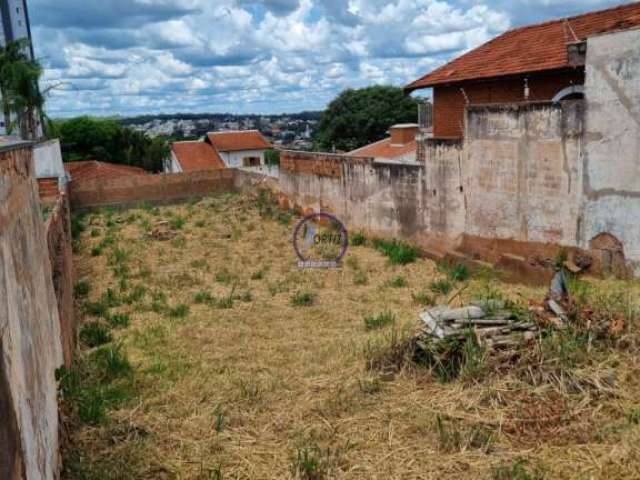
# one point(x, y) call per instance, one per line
point(611, 180)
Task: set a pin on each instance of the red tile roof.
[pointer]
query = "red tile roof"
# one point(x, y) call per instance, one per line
point(237, 141)
point(91, 169)
point(385, 149)
point(196, 156)
point(532, 48)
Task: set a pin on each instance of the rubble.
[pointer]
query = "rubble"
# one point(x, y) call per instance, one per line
point(492, 324)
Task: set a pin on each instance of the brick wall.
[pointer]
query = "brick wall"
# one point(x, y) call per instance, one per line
point(86, 194)
point(58, 228)
point(48, 189)
point(326, 165)
point(449, 102)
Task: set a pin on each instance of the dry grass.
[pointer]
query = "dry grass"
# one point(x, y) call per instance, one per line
point(244, 384)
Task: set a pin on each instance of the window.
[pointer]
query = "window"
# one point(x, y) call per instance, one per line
point(251, 162)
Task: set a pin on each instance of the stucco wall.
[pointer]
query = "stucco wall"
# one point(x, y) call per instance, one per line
point(522, 172)
point(611, 178)
point(30, 349)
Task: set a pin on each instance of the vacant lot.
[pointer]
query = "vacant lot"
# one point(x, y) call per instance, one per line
point(207, 354)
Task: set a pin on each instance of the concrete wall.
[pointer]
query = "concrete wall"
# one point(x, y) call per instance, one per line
point(30, 349)
point(522, 172)
point(58, 230)
point(47, 157)
point(611, 179)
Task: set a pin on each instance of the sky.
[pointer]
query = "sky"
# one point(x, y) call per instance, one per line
point(128, 57)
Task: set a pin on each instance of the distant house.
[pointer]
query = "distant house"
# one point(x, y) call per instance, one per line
point(400, 146)
point(542, 62)
point(194, 156)
point(239, 148)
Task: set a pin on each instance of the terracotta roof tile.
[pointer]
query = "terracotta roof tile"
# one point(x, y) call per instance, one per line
point(197, 156)
point(91, 169)
point(532, 48)
point(384, 149)
point(237, 141)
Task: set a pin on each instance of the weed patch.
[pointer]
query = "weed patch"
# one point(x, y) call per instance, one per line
point(381, 320)
point(398, 252)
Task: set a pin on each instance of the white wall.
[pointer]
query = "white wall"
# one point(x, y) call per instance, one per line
point(611, 152)
point(47, 157)
point(173, 166)
point(234, 159)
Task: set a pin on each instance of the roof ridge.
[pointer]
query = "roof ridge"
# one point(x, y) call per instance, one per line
point(233, 131)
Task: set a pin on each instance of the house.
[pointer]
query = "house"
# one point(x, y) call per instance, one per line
point(239, 148)
point(194, 156)
point(542, 62)
point(400, 146)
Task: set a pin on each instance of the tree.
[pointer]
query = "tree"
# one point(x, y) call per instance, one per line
point(19, 87)
point(86, 138)
point(359, 117)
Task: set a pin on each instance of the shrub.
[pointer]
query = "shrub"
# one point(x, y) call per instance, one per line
point(399, 252)
point(378, 321)
point(176, 223)
point(398, 282)
point(95, 232)
point(358, 239)
point(96, 309)
point(423, 299)
point(203, 297)
point(81, 289)
point(179, 311)
point(303, 299)
point(441, 286)
point(94, 334)
point(96, 251)
point(119, 320)
point(111, 362)
point(259, 275)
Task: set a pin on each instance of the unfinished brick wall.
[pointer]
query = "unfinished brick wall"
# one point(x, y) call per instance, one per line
point(93, 193)
point(449, 102)
point(58, 228)
point(30, 348)
point(48, 189)
point(324, 165)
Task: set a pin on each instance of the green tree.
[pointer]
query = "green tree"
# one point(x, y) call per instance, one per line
point(359, 117)
point(87, 138)
point(20, 90)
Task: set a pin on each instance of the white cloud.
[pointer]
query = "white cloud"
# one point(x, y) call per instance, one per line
point(254, 55)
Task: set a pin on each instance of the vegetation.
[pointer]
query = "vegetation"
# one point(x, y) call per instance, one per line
point(359, 117)
point(19, 90)
point(272, 157)
point(399, 252)
point(87, 138)
point(339, 389)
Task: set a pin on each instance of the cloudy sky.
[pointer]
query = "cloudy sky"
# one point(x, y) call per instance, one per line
point(126, 57)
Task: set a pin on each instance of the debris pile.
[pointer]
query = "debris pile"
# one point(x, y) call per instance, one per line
point(162, 231)
point(493, 325)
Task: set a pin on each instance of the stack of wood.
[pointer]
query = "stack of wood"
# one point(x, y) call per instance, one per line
point(493, 325)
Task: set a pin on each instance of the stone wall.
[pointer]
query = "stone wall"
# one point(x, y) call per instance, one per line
point(92, 193)
point(58, 228)
point(611, 179)
point(30, 349)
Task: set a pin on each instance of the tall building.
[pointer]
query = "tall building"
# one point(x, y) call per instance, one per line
point(14, 25)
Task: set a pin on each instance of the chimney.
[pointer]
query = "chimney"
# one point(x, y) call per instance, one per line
point(403, 133)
